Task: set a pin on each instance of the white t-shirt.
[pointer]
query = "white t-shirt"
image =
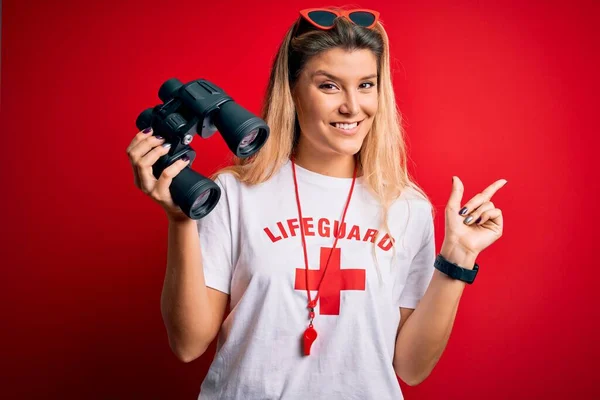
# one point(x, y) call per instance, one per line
point(252, 249)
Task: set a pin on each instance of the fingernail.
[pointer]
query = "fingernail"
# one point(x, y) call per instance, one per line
point(185, 158)
point(462, 211)
point(147, 130)
point(468, 219)
point(478, 220)
point(158, 137)
point(166, 145)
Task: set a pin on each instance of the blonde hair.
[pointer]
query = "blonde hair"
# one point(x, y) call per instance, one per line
point(382, 157)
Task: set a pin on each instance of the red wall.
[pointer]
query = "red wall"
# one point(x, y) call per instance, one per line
point(489, 90)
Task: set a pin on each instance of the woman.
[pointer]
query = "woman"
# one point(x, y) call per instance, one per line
point(321, 242)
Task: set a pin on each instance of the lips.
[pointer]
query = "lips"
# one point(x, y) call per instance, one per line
point(344, 122)
point(346, 131)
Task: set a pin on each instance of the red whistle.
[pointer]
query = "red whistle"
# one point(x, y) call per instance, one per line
point(310, 334)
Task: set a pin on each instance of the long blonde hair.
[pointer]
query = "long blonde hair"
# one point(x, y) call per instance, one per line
point(382, 157)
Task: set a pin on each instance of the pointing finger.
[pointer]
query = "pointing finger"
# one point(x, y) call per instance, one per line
point(491, 190)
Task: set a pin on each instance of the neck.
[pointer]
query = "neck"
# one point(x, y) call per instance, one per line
point(335, 165)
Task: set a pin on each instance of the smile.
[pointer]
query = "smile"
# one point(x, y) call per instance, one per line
point(346, 128)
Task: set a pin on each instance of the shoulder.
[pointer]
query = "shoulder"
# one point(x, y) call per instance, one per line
point(232, 182)
point(231, 188)
point(235, 185)
point(226, 179)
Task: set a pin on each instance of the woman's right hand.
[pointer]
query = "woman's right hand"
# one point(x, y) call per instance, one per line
point(143, 151)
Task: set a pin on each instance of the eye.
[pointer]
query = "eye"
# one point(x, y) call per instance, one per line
point(369, 83)
point(327, 86)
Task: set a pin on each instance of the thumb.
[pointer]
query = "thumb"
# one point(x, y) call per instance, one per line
point(456, 195)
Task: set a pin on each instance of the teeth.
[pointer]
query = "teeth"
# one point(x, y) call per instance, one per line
point(346, 126)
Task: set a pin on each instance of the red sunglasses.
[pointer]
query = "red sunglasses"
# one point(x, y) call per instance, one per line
point(323, 18)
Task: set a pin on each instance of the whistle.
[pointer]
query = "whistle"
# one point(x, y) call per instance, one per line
point(310, 334)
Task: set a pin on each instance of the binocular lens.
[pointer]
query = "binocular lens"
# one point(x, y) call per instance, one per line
point(194, 193)
point(244, 132)
point(248, 139)
point(201, 199)
point(204, 203)
point(252, 142)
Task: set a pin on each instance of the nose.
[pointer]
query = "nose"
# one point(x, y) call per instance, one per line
point(350, 105)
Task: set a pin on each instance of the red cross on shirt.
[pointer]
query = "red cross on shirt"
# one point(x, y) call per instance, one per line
point(333, 283)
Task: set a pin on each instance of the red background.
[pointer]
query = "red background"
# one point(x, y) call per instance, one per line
point(488, 90)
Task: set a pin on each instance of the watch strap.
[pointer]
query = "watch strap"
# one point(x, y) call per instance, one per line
point(455, 271)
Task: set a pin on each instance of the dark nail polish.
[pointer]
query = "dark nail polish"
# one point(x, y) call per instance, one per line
point(158, 137)
point(478, 219)
point(463, 211)
point(185, 158)
point(147, 130)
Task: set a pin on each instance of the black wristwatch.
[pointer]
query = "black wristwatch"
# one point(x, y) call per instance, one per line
point(454, 271)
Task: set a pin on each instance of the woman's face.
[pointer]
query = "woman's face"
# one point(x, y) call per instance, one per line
point(336, 101)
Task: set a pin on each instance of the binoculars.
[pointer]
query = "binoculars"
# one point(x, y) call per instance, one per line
point(199, 107)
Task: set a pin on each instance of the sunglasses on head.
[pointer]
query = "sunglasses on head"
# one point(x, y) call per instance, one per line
point(323, 18)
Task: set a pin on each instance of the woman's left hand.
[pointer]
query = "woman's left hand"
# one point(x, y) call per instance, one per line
point(479, 226)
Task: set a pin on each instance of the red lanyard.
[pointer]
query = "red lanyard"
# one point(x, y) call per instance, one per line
point(310, 334)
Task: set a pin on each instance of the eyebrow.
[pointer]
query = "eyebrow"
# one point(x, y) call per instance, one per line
point(330, 76)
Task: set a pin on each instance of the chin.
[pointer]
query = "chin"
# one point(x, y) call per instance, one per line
point(346, 146)
point(346, 149)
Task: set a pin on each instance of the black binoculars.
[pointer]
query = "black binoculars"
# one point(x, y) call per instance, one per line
point(199, 107)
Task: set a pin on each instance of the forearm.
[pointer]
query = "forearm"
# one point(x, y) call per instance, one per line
point(184, 300)
point(424, 335)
